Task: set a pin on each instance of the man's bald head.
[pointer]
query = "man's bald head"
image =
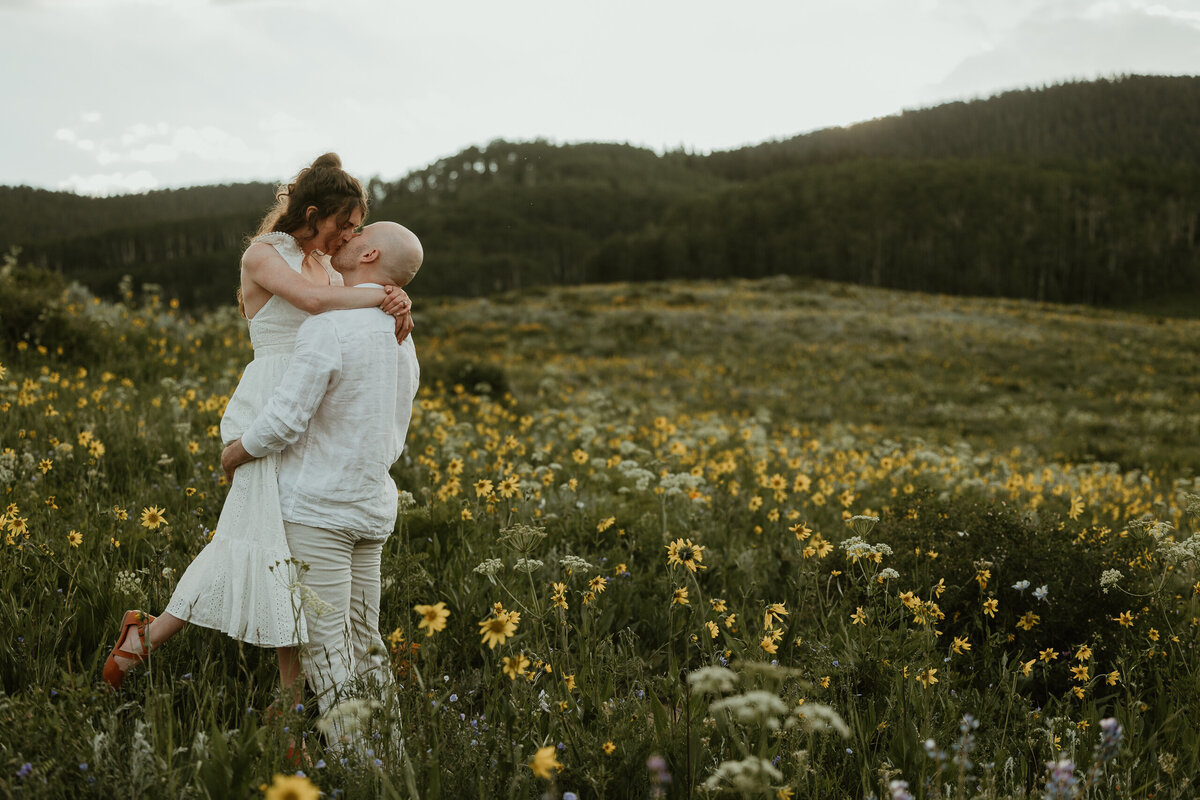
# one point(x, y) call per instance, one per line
point(385, 252)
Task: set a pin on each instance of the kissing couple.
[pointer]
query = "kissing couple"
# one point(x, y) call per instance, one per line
point(316, 422)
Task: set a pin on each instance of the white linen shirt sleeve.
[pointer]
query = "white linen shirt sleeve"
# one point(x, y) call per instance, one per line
point(315, 366)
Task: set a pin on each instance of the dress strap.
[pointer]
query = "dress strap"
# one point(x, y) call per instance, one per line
point(287, 246)
point(335, 277)
point(278, 238)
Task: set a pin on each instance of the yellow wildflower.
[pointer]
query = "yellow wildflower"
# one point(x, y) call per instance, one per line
point(496, 630)
point(682, 553)
point(773, 612)
point(435, 617)
point(291, 787)
point(153, 518)
point(544, 760)
point(1076, 509)
point(515, 665)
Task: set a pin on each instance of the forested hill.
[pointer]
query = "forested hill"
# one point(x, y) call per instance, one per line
point(1084, 192)
point(1151, 119)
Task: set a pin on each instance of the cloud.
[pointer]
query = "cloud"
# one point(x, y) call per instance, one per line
point(110, 183)
point(140, 132)
point(1101, 40)
point(70, 137)
point(1190, 16)
point(160, 143)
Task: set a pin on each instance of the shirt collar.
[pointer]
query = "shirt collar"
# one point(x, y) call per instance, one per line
point(369, 285)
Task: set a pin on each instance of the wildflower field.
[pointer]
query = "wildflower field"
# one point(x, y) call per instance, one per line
point(763, 539)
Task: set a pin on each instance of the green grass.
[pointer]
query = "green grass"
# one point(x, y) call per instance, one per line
point(996, 441)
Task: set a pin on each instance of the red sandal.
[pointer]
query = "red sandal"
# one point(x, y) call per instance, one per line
point(113, 675)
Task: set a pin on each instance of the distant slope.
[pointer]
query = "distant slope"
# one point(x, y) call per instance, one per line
point(1083, 192)
point(1154, 119)
point(33, 216)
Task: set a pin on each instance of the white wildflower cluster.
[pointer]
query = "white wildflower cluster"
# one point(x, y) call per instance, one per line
point(862, 523)
point(711, 433)
point(528, 565)
point(628, 447)
point(756, 707)
point(8, 467)
point(129, 583)
point(858, 549)
point(639, 477)
point(1155, 528)
point(348, 717)
point(817, 717)
point(1183, 553)
point(310, 601)
point(678, 483)
point(405, 500)
point(751, 774)
point(1192, 504)
point(575, 564)
point(713, 680)
point(888, 574)
point(489, 568)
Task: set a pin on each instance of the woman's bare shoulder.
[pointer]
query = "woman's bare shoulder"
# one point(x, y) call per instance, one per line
point(260, 254)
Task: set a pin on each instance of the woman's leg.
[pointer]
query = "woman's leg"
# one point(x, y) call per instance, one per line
point(291, 676)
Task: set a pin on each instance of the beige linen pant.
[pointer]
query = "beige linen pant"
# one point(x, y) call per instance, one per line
point(343, 622)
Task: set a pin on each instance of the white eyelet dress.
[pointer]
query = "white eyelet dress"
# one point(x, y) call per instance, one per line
point(244, 582)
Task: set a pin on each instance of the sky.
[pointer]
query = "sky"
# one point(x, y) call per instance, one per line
point(114, 96)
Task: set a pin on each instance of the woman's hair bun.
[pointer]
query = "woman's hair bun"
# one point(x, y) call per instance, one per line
point(327, 160)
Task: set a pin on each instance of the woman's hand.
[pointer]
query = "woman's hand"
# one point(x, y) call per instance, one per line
point(232, 457)
point(398, 304)
point(404, 326)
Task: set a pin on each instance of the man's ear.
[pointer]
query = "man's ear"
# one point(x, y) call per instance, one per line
point(369, 256)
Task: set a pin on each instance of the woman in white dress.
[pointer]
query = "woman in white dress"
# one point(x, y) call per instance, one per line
point(244, 582)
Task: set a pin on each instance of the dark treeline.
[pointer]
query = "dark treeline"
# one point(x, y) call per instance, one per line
point(1083, 192)
point(1097, 233)
point(1151, 119)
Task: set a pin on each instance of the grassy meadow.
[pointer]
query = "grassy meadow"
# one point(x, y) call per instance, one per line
point(763, 539)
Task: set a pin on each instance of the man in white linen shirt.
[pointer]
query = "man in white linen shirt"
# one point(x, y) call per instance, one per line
point(339, 418)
